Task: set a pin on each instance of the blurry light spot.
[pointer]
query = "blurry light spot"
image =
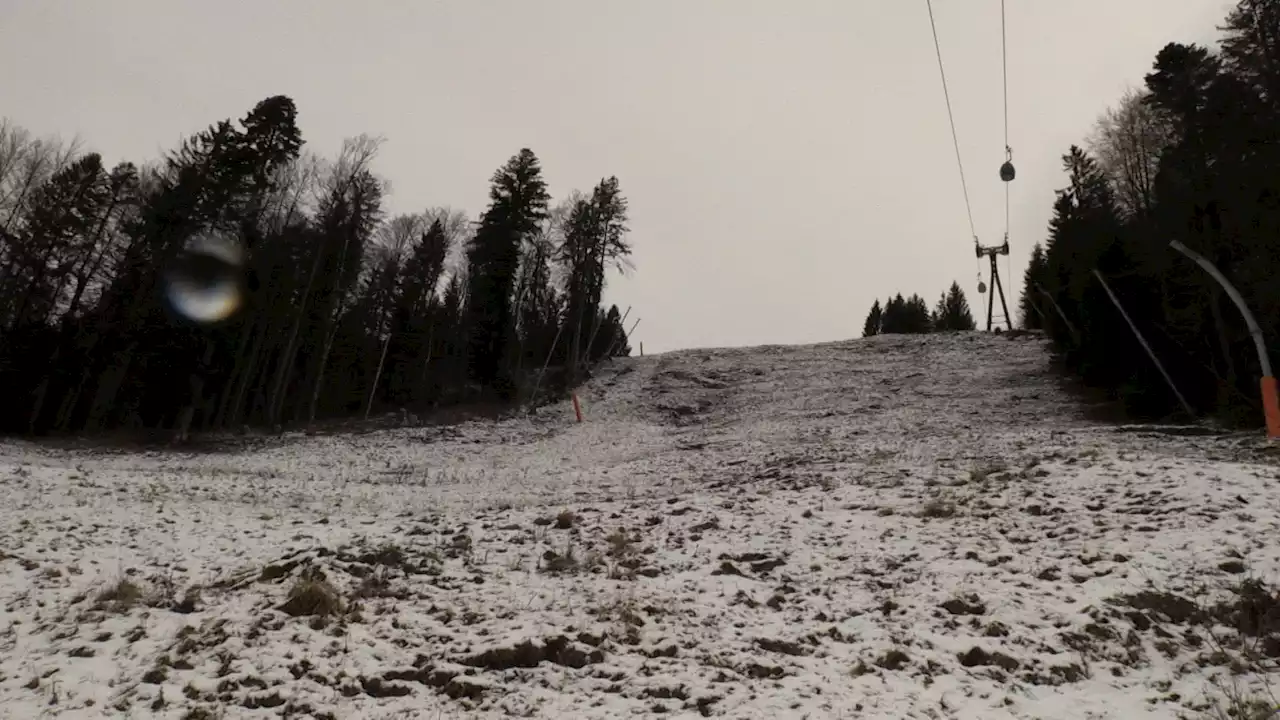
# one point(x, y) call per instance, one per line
point(205, 283)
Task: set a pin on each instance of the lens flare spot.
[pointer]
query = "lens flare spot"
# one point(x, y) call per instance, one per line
point(205, 283)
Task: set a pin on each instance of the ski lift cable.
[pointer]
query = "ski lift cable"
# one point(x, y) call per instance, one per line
point(1006, 170)
point(955, 139)
point(1004, 68)
point(1008, 151)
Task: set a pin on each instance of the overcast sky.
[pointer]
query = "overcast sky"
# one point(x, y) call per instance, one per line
point(786, 162)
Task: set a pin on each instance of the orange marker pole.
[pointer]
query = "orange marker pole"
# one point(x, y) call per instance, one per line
point(577, 408)
point(1271, 406)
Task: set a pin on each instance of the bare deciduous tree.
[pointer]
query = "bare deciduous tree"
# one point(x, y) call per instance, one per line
point(458, 231)
point(1128, 140)
point(354, 197)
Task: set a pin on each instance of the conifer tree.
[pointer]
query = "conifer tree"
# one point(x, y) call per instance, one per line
point(954, 311)
point(518, 201)
point(872, 325)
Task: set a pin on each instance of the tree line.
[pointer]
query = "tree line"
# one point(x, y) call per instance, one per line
point(1193, 155)
point(912, 315)
point(345, 308)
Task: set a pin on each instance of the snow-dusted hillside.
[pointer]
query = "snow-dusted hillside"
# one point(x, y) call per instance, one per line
point(899, 527)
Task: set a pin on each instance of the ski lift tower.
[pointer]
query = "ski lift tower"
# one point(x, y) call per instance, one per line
point(996, 286)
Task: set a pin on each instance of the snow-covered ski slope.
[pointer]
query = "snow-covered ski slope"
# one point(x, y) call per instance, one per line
point(898, 527)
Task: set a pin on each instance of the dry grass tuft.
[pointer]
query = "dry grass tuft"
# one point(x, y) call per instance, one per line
point(120, 595)
point(312, 596)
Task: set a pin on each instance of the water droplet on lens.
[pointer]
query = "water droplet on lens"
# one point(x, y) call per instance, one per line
point(204, 283)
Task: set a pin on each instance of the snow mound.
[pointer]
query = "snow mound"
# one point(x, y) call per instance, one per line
point(897, 527)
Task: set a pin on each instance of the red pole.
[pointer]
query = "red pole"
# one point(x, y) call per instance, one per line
point(577, 408)
point(1271, 404)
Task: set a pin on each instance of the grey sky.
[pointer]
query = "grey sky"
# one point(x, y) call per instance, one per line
point(786, 162)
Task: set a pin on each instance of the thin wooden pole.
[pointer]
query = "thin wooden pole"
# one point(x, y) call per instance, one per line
point(626, 336)
point(591, 339)
point(373, 390)
point(1074, 333)
point(537, 383)
point(1138, 334)
point(622, 323)
point(613, 342)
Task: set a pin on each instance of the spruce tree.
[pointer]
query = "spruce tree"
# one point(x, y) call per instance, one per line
point(872, 325)
point(1032, 304)
point(916, 315)
point(937, 317)
point(894, 318)
point(518, 201)
point(955, 315)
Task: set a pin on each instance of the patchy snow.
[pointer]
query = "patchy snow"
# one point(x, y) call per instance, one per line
point(899, 527)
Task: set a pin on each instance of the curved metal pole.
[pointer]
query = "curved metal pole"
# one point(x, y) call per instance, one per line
point(1269, 395)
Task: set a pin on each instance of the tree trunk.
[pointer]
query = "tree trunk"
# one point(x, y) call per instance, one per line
point(575, 345)
point(108, 387)
point(284, 368)
point(333, 318)
point(591, 340)
point(1224, 345)
point(24, 301)
point(579, 300)
point(420, 386)
point(237, 370)
point(70, 401)
point(43, 389)
point(251, 373)
point(187, 413)
point(324, 361)
point(95, 256)
point(19, 202)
